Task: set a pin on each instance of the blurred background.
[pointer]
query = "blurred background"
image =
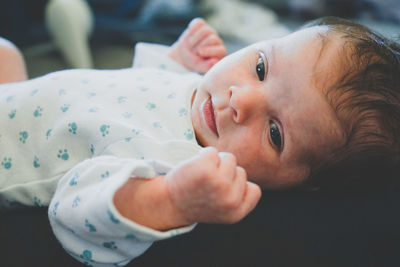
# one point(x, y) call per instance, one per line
point(59, 34)
point(286, 229)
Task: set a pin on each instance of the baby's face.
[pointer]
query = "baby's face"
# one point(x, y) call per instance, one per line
point(262, 104)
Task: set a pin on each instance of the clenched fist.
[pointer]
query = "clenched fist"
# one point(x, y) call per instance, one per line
point(211, 188)
point(199, 47)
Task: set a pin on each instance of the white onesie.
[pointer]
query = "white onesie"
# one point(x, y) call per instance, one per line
point(70, 139)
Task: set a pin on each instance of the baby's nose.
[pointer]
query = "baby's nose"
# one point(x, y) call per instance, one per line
point(241, 101)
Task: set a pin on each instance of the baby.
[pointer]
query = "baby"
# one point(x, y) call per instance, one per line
point(317, 109)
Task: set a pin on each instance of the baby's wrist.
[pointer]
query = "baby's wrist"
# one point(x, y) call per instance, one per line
point(173, 54)
point(147, 202)
point(170, 214)
point(176, 56)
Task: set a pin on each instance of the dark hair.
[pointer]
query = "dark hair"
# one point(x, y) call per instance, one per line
point(366, 101)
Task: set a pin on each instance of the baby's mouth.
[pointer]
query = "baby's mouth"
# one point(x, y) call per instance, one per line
point(209, 115)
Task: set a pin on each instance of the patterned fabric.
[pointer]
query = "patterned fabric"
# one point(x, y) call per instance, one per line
point(89, 131)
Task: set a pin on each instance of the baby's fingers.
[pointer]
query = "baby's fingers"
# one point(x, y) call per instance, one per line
point(204, 65)
point(211, 40)
point(196, 23)
point(251, 197)
point(199, 33)
point(192, 28)
point(218, 51)
point(227, 165)
point(239, 186)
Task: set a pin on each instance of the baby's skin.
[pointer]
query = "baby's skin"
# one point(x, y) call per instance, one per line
point(199, 47)
point(250, 104)
point(12, 68)
point(209, 187)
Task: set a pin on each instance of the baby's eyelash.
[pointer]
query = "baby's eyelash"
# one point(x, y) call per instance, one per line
point(261, 66)
point(275, 135)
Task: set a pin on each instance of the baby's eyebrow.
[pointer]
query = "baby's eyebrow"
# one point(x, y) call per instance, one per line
point(273, 49)
point(270, 56)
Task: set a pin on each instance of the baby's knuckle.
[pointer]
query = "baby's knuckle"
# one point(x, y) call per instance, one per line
point(213, 39)
point(191, 164)
point(203, 51)
point(218, 186)
point(205, 174)
point(232, 218)
point(209, 149)
point(207, 26)
point(217, 39)
point(211, 153)
point(223, 49)
point(196, 21)
point(228, 157)
point(241, 172)
point(230, 203)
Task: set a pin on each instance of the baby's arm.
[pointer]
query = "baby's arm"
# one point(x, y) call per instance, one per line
point(12, 64)
point(199, 47)
point(102, 216)
point(87, 223)
point(208, 188)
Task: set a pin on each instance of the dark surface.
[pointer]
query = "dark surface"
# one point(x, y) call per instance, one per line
point(286, 229)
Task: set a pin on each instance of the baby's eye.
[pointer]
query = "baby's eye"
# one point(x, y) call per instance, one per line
point(275, 135)
point(260, 68)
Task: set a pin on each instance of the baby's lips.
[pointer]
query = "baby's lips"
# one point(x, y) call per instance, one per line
point(209, 116)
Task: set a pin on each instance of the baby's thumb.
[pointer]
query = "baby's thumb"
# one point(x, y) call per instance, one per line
point(251, 197)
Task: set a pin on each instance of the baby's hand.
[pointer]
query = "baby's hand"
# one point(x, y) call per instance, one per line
point(211, 188)
point(199, 47)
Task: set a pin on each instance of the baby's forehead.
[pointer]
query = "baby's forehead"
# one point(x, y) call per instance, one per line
point(331, 59)
point(323, 130)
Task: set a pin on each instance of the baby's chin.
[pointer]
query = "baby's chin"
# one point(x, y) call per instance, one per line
point(202, 141)
point(199, 142)
point(193, 97)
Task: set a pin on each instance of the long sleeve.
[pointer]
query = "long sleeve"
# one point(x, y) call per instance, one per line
point(148, 55)
point(72, 138)
point(85, 220)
